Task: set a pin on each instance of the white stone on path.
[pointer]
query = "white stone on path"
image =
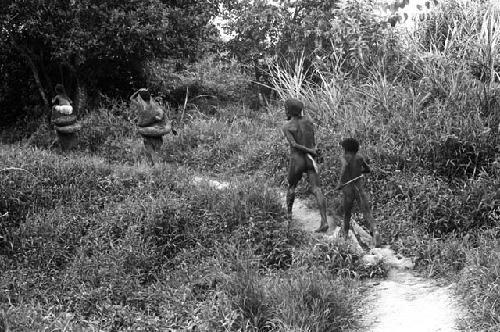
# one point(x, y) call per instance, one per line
point(212, 183)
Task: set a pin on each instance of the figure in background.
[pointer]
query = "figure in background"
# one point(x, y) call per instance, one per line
point(64, 120)
point(152, 123)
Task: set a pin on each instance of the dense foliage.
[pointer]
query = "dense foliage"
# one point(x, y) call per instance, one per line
point(95, 46)
point(328, 34)
point(424, 105)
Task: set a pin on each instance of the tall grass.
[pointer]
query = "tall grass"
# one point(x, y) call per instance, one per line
point(480, 280)
point(92, 244)
point(489, 40)
point(323, 97)
point(114, 245)
point(430, 123)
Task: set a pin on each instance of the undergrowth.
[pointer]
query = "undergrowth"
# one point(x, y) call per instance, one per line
point(89, 244)
point(98, 239)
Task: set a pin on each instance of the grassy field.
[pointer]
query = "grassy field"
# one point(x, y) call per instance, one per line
point(97, 240)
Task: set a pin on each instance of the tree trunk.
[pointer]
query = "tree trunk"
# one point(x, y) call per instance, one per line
point(36, 75)
point(43, 70)
point(81, 97)
point(78, 97)
point(79, 91)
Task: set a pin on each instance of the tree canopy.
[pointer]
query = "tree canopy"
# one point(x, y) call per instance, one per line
point(99, 44)
point(332, 31)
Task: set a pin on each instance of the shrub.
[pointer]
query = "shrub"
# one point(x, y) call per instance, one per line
point(454, 158)
point(312, 301)
point(340, 259)
point(442, 257)
point(480, 280)
point(300, 299)
point(443, 209)
point(73, 185)
point(249, 298)
point(212, 77)
point(100, 257)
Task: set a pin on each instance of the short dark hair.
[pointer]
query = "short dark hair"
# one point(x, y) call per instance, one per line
point(350, 145)
point(145, 95)
point(293, 107)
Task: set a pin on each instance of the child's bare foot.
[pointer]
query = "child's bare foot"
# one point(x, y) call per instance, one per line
point(322, 229)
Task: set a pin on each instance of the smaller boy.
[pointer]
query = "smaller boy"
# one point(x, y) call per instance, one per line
point(351, 182)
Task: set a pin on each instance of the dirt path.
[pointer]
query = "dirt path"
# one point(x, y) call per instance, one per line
point(404, 302)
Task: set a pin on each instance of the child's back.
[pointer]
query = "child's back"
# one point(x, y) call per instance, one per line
point(355, 165)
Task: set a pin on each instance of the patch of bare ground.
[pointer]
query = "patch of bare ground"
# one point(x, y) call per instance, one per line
point(402, 302)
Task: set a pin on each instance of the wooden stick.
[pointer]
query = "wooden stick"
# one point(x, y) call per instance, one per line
point(351, 181)
point(15, 169)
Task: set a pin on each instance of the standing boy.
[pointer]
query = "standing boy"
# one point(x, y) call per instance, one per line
point(299, 132)
point(351, 182)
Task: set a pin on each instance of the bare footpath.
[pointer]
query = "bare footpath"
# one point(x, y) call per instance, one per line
point(404, 302)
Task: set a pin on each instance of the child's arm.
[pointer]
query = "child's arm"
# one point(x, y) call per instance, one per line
point(296, 145)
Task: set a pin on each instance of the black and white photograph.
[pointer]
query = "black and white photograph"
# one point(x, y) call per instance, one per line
point(250, 165)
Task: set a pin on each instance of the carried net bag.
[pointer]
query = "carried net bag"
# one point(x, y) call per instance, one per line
point(149, 113)
point(64, 120)
point(69, 129)
point(152, 120)
point(157, 130)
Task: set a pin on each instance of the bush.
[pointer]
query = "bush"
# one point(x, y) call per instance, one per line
point(442, 257)
point(300, 299)
point(454, 158)
point(339, 259)
point(480, 280)
point(313, 301)
point(212, 77)
point(52, 190)
point(101, 257)
point(443, 209)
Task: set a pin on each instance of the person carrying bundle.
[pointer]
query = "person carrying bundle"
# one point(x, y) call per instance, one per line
point(152, 123)
point(64, 120)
